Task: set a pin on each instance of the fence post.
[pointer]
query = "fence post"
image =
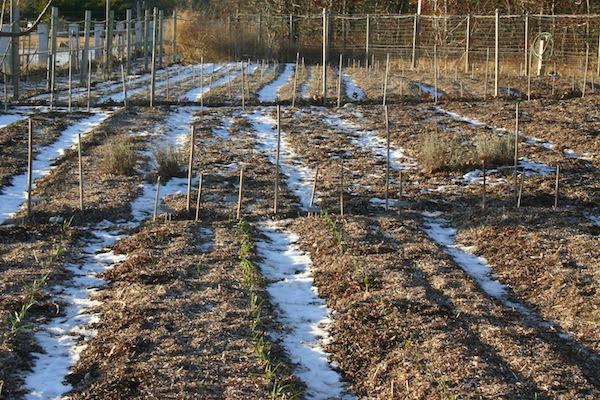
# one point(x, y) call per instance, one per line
point(108, 42)
point(325, 31)
point(585, 70)
point(414, 41)
point(160, 38)
point(367, 41)
point(174, 39)
point(597, 59)
point(526, 59)
point(98, 29)
point(146, 29)
point(497, 55)
point(52, 66)
point(87, 26)
point(29, 164)
point(128, 41)
point(153, 66)
point(467, 43)
point(15, 20)
point(339, 83)
point(42, 32)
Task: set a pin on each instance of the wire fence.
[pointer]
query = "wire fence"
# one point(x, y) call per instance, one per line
point(566, 38)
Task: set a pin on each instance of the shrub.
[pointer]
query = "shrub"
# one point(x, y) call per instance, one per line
point(169, 162)
point(495, 150)
point(118, 157)
point(442, 152)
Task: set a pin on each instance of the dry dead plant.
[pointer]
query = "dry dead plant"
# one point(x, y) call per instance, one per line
point(118, 157)
point(169, 162)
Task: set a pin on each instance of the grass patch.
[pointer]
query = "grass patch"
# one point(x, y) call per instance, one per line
point(118, 157)
point(443, 152)
point(169, 162)
point(495, 150)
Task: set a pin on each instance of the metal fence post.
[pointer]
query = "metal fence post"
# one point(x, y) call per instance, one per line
point(128, 41)
point(325, 31)
point(87, 26)
point(497, 55)
point(526, 44)
point(107, 42)
point(467, 43)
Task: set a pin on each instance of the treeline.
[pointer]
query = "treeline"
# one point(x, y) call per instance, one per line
point(73, 9)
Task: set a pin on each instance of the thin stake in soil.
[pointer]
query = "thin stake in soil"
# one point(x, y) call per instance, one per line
point(556, 186)
point(342, 188)
point(29, 164)
point(124, 86)
point(387, 160)
point(295, 88)
point(483, 193)
point(243, 93)
point(80, 171)
point(276, 196)
point(339, 83)
point(385, 79)
point(199, 198)
point(516, 160)
point(201, 81)
point(519, 197)
point(314, 189)
point(191, 167)
point(89, 83)
point(240, 194)
point(156, 198)
point(70, 87)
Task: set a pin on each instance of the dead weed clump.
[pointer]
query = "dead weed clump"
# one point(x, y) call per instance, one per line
point(494, 150)
point(118, 157)
point(169, 162)
point(441, 152)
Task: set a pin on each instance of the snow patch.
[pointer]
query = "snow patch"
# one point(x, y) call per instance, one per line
point(304, 315)
point(270, 92)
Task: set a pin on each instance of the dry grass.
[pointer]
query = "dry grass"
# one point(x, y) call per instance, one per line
point(169, 162)
point(495, 150)
point(118, 157)
point(441, 152)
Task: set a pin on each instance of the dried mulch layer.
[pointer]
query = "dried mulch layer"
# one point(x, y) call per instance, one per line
point(408, 320)
point(175, 320)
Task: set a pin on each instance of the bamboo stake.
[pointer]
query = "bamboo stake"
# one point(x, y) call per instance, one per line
point(199, 198)
point(556, 186)
point(520, 189)
point(435, 74)
point(243, 93)
point(191, 168)
point(342, 188)
point(385, 79)
point(240, 194)
point(89, 83)
point(339, 83)
point(80, 171)
point(295, 81)
point(124, 86)
point(276, 197)
point(483, 194)
point(70, 87)
point(387, 162)
point(314, 188)
point(29, 164)
point(156, 197)
point(201, 81)
point(516, 157)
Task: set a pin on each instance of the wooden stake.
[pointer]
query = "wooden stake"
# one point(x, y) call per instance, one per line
point(401, 184)
point(339, 83)
point(497, 55)
point(201, 81)
point(89, 83)
point(487, 63)
point(70, 87)
point(387, 160)
point(314, 189)
point(483, 194)
point(385, 79)
point(191, 167)
point(199, 198)
point(156, 197)
point(520, 189)
point(29, 164)
point(276, 197)
point(435, 74)
point(585, 70)
point(125, 86)
point(240, 194)
point(516, 157)
point(243, 93)
point(80, 171)
point(295, 81)
point(342, 188)
point(556, 186)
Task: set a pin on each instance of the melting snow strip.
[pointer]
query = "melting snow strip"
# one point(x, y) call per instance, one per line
point(370, 141)
point(15, 193)
point(304, 87)
point(63, 338)
point(9, 119)
point(197, 93)
point(270, 91)
point(298, 175)
point(304, 314)
point(353, 90)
